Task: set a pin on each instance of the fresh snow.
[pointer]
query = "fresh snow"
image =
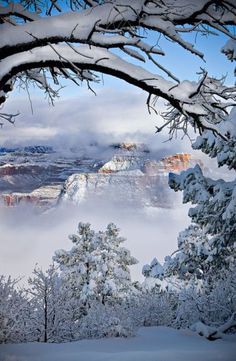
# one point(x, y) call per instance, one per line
point(229, 49)
point(150, 344)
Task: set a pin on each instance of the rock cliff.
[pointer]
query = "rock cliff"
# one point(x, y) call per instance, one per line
point(128, 178)
point(40, 197)
point(131, 175)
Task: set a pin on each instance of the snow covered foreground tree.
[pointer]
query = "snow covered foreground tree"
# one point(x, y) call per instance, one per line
point(205, 261)
point(96, 269)
point(96, 279)
point(76, 39)
point(207, 249)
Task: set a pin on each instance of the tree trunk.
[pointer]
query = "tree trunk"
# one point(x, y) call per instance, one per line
point(45, 339)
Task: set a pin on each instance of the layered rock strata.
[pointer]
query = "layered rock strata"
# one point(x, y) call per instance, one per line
point(130, 176)
point(128, 179)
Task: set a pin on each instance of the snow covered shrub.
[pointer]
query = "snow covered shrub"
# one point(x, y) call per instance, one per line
point(219, 298)
point(158, 309)
point(152, 306)
point(14, 312)
point(213, 303)
point(185, 297)
point(106, 321)
point(188, 309)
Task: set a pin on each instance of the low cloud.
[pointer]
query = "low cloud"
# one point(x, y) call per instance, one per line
point(28, 238)
point(114, 115)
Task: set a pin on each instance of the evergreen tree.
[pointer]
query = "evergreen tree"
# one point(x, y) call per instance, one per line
point(213, 233)
point(96, 268)
point(114, 281)
point(78, 269)
point(204, 264)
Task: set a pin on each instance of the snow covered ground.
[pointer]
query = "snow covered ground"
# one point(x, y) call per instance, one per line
point(150, 344)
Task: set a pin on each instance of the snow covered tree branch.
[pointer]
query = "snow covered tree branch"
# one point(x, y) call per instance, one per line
point(215, 212)
point(36, 36)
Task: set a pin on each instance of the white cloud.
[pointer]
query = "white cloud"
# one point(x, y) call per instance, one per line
point(113, 115)
point(28, 238)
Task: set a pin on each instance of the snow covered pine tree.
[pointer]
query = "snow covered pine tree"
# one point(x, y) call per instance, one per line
point(96, 269)
point(205, 261)
point(207, 249)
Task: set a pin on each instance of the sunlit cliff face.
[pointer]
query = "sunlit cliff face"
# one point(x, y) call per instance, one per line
point(173, 163)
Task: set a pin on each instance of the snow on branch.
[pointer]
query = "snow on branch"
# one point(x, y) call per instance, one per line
point(187, 100)
point(34, 34)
